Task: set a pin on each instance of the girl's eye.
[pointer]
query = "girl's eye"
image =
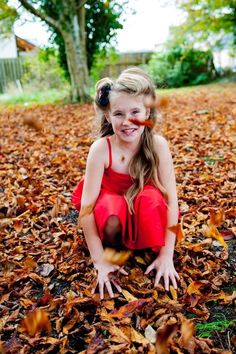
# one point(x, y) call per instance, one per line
point(118, 114)
point(135, 112)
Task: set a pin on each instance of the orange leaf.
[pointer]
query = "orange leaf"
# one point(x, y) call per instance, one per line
point(85, 210)
point(70, 324)
point(187, 332)
point(146, 123)
point(178, 230)
point(194, 287)
point(114, 257)
point(164, 337)
point(217, 217)
point(128, 309)
point(35, 321)
point(212, 231)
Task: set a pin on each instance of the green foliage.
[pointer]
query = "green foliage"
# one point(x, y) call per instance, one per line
point(43, 72)
point(206, 330)
point(102, 21)
point(8, 15)
point(181, 67)
point(101, 59)
point(212, 22)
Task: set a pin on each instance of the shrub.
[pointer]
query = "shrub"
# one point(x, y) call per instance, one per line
point(181, 67)
point(42, 72)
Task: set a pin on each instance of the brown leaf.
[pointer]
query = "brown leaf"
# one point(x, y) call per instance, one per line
point(32, 122)
point(164, 337)
point(114, 257)
point(35, 322)
point(128, 309)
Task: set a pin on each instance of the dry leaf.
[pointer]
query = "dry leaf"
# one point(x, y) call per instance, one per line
point(36, 321)
point(114, 257)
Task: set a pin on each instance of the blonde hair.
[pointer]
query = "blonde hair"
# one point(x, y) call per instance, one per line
point(143, 165)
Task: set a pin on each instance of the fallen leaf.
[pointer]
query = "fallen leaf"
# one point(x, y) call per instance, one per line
point(36, 321)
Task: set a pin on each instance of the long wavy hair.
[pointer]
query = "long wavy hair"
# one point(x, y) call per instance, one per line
point(143, 166)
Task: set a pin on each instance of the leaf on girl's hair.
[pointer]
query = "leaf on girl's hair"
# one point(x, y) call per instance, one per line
point(128, 309)
point(35, 322)
point(114, 257)
point(85, 210)
point(146, 123)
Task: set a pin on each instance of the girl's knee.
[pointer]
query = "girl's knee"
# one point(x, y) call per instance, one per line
point(113, 221)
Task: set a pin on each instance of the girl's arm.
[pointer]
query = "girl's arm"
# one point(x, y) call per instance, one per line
point(91, 189)
point(164, 262)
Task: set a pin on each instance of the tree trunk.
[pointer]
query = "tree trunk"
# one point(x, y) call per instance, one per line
point(76, 60)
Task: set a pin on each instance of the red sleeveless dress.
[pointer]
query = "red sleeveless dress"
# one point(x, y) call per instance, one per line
point(146, 227)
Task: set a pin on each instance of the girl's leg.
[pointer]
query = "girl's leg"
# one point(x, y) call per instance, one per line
point(112, 232)
point(149, 219)
point(111, 214)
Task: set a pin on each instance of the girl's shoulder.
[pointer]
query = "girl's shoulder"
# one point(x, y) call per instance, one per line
point(99, 144)
point(160, 143)
point(98, 150)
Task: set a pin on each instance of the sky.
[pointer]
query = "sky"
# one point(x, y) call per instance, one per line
point(144, 30)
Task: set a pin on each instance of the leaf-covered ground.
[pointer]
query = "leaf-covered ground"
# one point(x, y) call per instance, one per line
point(46, 275)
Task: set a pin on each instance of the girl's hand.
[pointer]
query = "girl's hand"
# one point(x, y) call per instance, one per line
point(165, 268)
point(104, 269)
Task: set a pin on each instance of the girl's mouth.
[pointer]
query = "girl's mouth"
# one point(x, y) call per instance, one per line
point(129, 131)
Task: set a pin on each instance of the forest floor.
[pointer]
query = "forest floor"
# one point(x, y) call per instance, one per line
point(46, 275)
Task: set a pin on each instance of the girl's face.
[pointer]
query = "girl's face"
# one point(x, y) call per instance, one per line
point(122, 107)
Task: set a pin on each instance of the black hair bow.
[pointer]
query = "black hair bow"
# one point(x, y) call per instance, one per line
point(103, 99)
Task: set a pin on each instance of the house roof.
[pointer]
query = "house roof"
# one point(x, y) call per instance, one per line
point(24, 46)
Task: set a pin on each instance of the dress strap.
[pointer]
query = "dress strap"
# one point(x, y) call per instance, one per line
point(110, 154)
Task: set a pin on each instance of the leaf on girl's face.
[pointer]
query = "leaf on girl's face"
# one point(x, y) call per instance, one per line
point(112, 256)
point(146, 123)
point(35, 322)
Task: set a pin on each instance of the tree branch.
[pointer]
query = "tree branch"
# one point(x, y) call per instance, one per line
point(83, 2)
point(40, 14)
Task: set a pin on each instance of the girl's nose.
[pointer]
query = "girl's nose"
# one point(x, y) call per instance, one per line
point(126, 120)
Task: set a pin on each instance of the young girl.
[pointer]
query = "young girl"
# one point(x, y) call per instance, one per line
point(129, 181)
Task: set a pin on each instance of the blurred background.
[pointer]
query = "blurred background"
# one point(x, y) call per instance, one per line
point(56, 51)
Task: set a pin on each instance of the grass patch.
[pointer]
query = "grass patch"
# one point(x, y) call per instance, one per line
point(38, 97)
point(206, 330)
